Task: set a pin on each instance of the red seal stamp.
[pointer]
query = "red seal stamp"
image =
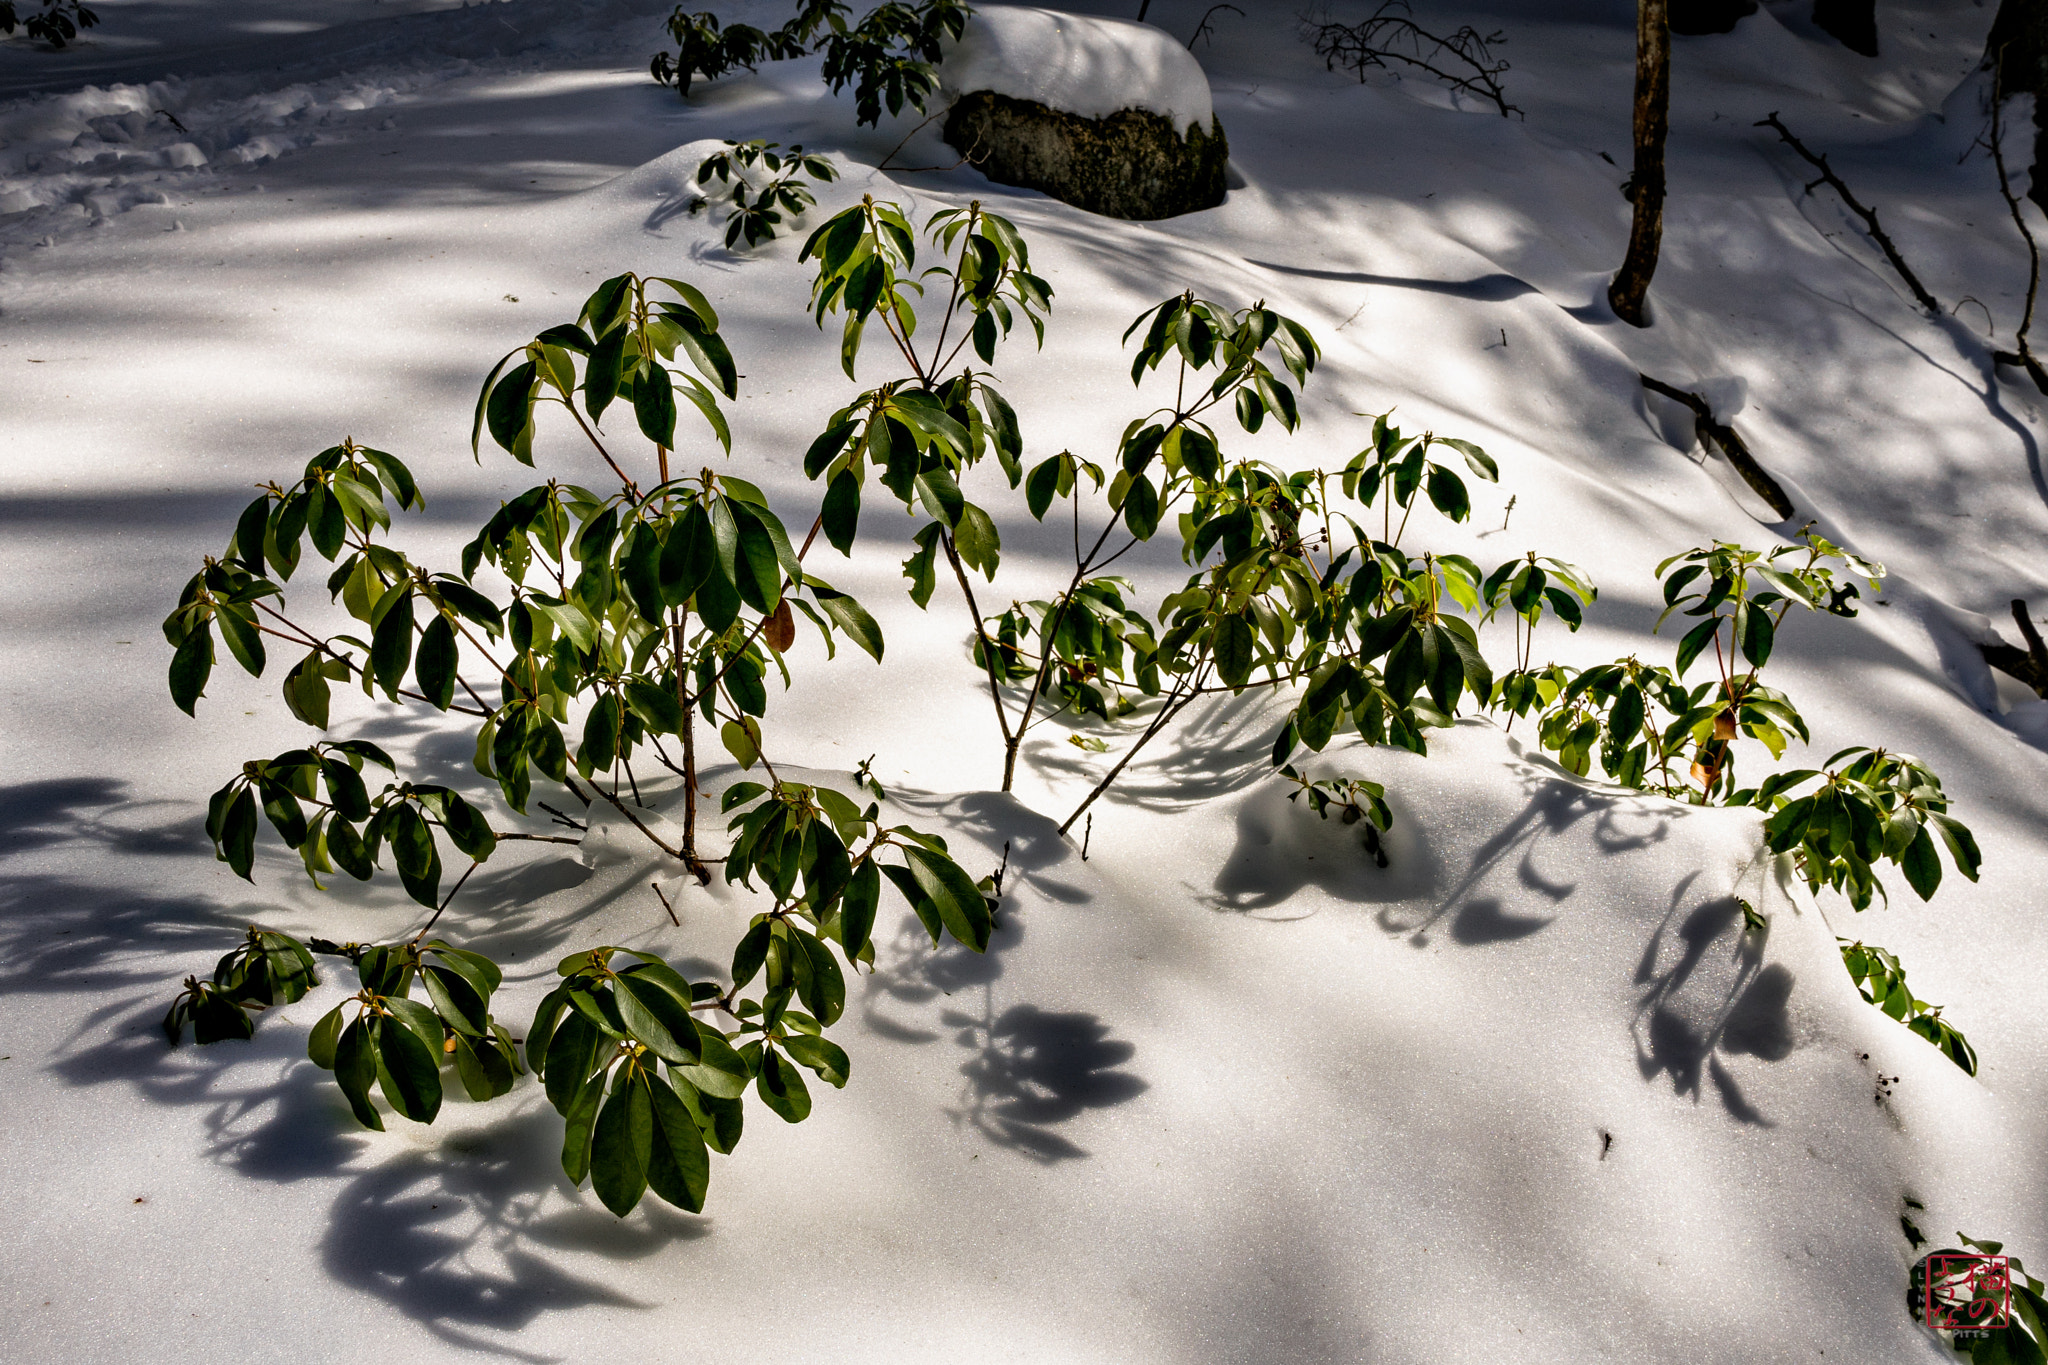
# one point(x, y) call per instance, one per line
point(1968, 1293)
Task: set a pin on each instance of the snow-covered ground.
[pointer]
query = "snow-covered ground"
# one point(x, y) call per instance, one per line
point(1221, 1091)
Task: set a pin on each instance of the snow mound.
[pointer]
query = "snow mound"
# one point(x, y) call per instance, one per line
point(1084, 66)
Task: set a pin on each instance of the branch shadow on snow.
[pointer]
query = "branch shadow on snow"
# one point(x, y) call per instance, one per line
point(1029, 1070)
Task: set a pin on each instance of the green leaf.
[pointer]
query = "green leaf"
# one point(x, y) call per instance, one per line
point(355, 1070)
point(412, 848)
point(1233, 650)
point(1922, 865)
point(238, 834)
point(435, 664)
point(243, 639)
point(1696, 639)
point(654, 405)
point(190, 667)
point(822, 987)
point(409, 1073)
point(620, 1146)
point(391, 642)
point(841, 511)
point(1758, 633)
point(821, 1055)
point(857, 908)
point(850, 616)
point(321, 1043)
point(1141, 507)
point(678, 1167)
point(961, 906)
point(757, 570)
point(1041, 485)
point(579, 1114)
point(571, 1053)
point(781, 1087)
point(750, 953)
point(654, 1016)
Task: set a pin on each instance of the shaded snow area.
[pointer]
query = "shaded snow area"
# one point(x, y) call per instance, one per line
point(1086, 66)
point(1222, 1091)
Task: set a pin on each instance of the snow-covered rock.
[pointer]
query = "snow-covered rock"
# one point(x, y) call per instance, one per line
point(1079, 65)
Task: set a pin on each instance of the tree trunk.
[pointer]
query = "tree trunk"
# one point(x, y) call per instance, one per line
point(2018, 48)
point(1646, 184)
point(1853, 23)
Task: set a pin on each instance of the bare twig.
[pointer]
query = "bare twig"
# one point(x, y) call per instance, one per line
point(2022, 354)
point(535, 838)
point(1203, 30)
point(560, 818)
point(665, 905)
point(1469, 66)
point(1856, 206)
point(1719, 435)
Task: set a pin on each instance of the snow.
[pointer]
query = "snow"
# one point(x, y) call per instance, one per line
point(1221, 1090)
point(1077, 63)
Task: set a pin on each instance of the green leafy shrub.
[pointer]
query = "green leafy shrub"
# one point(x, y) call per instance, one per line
point(650, 609)
point(889, 57)
point(601, 628)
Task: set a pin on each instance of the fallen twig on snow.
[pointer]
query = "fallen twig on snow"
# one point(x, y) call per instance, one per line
point(1716, 434)
point(1868, 215)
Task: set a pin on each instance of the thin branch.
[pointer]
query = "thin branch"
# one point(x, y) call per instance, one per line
point(1856, 206)
point(445, 900)
point(1720, 435)
point(665, 905)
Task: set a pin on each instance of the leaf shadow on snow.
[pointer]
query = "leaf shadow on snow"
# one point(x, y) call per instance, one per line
point(1028, 1069)
point(1706, 992)
point(456, 1236)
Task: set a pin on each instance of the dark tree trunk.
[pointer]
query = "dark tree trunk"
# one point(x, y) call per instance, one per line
point(1698, 18)
point(1852, 22)
point(1646, 183)
point(2018, 48)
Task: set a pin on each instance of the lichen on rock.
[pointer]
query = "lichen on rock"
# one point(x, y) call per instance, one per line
point(1131, 164)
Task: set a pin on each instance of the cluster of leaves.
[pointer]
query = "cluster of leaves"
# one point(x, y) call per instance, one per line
point(1643, 720)
point(399, 1044)
point(348, 828)
point(1373, 632)
point(709, 48)
point(1878, 805)
point(634, 616)
point(888, 57)
point(265, 969)
point(1882, 980)
point(1354, 799)
point(1962, 1293)
point(760, 218)
point(56, 23)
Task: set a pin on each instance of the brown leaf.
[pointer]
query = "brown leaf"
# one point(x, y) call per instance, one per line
point(780, 632)
point(1724, 726)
